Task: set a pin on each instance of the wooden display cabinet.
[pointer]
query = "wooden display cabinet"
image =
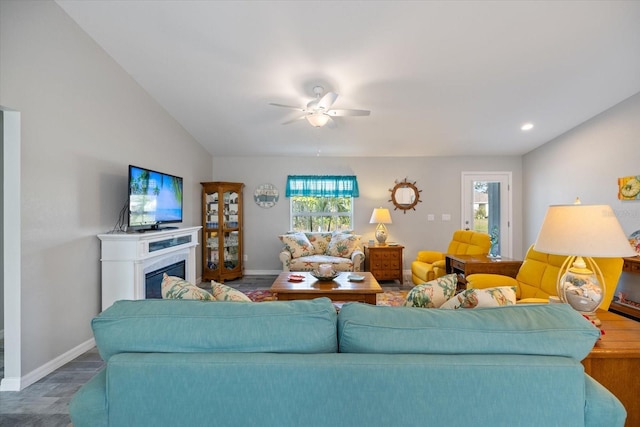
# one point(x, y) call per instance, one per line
point(222, 231)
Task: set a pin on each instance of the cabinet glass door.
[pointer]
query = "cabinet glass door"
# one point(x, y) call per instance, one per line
point(230, 209)
point(212, 242)
point(212, 211)
point(231, 240)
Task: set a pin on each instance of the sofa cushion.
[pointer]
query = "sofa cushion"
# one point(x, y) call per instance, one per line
point(482, 298)
point(173, 287)
point(298, 244)
point(432, 294)
point(310, 263)
point(223, 292)
point(156, 325)
point(343, 245)
point(546, 329)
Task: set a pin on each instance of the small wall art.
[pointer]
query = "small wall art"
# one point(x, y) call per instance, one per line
point(266, 195)
point(629, 188)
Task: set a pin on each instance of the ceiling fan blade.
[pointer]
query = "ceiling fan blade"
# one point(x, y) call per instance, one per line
point(293, 120)
point(327, 100)
point(287, 106)
point(331, 123)
point(340, 113)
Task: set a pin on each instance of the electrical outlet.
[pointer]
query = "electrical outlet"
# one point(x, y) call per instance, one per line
point(431, 217)
point(446, 217)
point(245, 257)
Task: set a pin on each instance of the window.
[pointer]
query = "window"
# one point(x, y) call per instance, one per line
point(321, 202)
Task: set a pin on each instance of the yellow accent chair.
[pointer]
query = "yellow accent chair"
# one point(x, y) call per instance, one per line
point(430, 265)
point(536, 280)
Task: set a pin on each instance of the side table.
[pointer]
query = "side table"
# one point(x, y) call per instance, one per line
point(615, 361)
point(463, 265)
point(384, 262)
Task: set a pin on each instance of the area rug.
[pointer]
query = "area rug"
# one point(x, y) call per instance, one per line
point(388, 298)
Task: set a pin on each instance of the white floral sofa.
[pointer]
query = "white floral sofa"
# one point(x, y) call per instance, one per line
point(306, 251)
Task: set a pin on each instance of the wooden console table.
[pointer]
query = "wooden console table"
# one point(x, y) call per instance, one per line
point(631, 265)
point(463, 265)
point(615, 361)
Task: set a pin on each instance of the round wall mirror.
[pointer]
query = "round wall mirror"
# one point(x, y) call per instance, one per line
point(405, 195)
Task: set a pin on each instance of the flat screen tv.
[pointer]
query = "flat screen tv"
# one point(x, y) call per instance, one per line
point(155, 198)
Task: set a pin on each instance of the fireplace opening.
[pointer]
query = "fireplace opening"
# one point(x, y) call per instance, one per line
point(153, 279)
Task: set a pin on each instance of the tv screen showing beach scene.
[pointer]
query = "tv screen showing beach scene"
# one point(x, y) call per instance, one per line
point(154, 197)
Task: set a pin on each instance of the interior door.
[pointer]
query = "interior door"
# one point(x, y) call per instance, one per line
point(486, 207)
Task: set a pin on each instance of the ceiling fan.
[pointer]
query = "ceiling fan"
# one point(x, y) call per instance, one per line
point(318, 112)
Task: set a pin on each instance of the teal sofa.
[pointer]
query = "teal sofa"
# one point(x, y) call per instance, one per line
point(299, 363)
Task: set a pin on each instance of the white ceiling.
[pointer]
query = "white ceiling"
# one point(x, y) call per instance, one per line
point(440, 78)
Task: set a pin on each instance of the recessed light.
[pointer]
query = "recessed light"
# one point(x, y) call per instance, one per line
point(527, 126)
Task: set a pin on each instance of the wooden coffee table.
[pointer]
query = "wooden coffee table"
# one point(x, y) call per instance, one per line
point(339, 289)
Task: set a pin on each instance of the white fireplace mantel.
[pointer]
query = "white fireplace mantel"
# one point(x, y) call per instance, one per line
point(127, 257)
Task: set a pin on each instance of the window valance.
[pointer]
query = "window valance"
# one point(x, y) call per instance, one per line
point(322, 186)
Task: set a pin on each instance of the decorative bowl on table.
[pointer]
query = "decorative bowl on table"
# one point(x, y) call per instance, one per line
point(325, 278)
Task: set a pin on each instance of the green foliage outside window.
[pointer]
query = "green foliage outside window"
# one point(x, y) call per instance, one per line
point(321, 213)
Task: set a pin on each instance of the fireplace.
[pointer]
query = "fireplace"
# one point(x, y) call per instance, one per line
point(153, 279)
point(133, 263)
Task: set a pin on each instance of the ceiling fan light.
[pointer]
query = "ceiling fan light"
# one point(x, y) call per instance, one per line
point(317, 119)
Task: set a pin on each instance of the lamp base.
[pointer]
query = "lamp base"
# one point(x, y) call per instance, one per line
point(381, 235)
point(593, 318)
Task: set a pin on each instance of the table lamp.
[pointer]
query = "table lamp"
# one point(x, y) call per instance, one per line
point(381, 216)
point(582, 232)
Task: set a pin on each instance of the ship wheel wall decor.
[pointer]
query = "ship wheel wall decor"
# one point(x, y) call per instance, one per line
point(405, 195)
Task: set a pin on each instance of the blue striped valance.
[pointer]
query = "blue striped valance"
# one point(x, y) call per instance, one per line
point(322, 186)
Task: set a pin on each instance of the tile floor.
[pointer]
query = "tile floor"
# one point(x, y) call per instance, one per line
point(46, 402)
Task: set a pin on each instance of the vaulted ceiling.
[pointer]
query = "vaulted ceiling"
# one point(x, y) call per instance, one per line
point(441, 78)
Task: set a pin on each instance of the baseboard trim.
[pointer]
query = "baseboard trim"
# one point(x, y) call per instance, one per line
point(18, 384)
point(262, 272)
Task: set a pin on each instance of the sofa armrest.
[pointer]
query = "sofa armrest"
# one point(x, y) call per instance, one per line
point(483, 281)
point(357, 257)
point(429, 256)
point(285, 257)
point(601, 406)
point(440, 264)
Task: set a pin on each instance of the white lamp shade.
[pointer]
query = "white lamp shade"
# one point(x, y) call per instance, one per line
point(317, 119)
point(380, 216)
point(584, 230)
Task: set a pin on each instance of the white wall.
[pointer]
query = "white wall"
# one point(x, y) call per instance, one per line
point(83, 121)
point(437, 177)
point(586, 162)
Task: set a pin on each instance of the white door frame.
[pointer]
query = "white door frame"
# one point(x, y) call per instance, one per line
point(504, 177)
point(10, 128)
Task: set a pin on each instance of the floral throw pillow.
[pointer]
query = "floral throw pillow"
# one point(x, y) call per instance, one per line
point(227, 293)
point(480, 298)
point(432, 294)
point(298, 244)
point(173, 287)
point(342, 245)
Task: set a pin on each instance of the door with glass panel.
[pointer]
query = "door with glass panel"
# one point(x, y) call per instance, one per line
point(486, 207)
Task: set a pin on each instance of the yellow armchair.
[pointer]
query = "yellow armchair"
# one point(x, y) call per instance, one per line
point(430, 265)
point(536, 280)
